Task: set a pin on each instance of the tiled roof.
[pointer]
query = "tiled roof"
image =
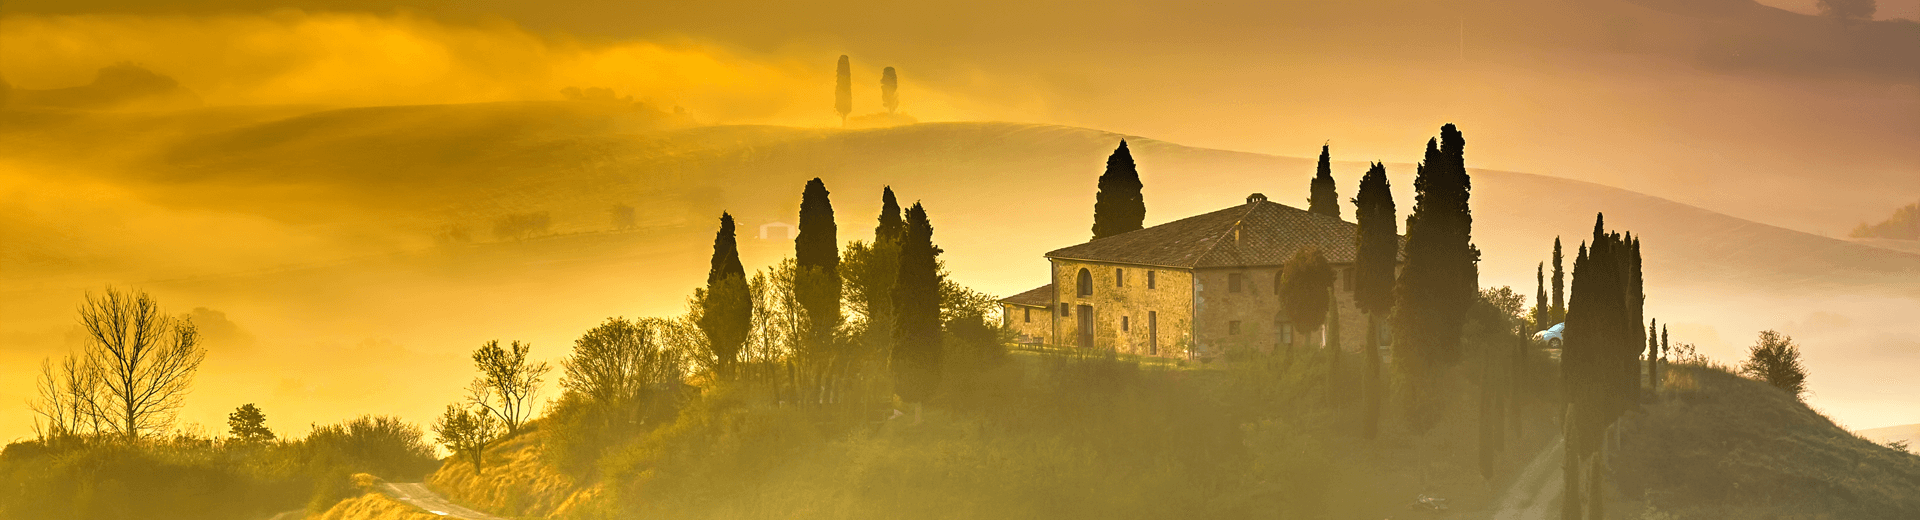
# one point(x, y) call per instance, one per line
point(1038, 297)
point(1269, 234)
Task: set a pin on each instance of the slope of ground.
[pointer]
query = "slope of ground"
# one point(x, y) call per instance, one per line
point(1721, 446)
point(515, 480)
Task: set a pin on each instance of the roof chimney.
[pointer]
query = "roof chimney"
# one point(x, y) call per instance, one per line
point(1256, 198)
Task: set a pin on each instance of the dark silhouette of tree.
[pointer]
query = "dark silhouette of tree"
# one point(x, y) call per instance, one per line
point(726, 306)
point(466, 432)
point(623, 217)
point(1653, 356)
point(843, 89)
point(889, 90)
point(1322, 197)
point(509, 383)
point(1378, 252)
point(249, 425)
point(1542, 311)
point(1559, 313)
point(1440, 280)
point(816, 254)
point(1903, 225)
point(1665, 348)
point(1118, 207)
point(1599, 366)
point(1775, 360)
point(1848, 9)
point(1304, 285)
point(916, 309)
point(891, 226)
point(140, 362)
point(619, 362)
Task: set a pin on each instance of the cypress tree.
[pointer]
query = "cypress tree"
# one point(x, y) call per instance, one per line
point(889, 90)
point(843, 89)
point(1541, 311)
point(1305, 283)
point(1599, 356)
point(1321, 197)
point(916, 304)
point(890, 226)
point(1377, 253)
point(1440, 280)
point(1653, 356)
point(816, 258)
point(726, 307)
point(1559, 314)
point(1118, 207)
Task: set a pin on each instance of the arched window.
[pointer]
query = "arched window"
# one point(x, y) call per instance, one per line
point(1085, 285)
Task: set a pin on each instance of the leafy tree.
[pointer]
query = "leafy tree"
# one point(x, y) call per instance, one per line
point(138, 362)
point(623, 217)
point(249, 424)
point(509, 384)
point(1322, 198)
point(1848, 9)
point(466, 432)
point(1775, 360)
point(1903, 225)
point(1440, 280)
point(1304, 285)
point(618, 362)
point(1118, 207)
point(891, 226)
point(916, 303)
point(725, 305)
point(817, 260)
point(843, 89)
point(889, 90)
point(1378, 252)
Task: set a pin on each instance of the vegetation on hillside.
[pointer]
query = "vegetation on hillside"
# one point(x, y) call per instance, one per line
point(1903, 225)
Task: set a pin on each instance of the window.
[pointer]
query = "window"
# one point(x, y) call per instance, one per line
point(1149, 279)
point(1233, 282)
point(1153, 331)
point(1026, 314)
point(1123, 324)
point(1119, 278)
point(1286, 333)
point(1064, 312)
point(1233, 327)
point(1386, 335)
point(1346, 276)
point(1084, 286)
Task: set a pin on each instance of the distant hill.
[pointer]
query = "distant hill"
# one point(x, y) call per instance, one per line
point(119, 86)
point(1909, 433)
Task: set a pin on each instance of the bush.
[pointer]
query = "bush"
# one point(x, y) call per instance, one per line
point(1775, 360)
point(383, 446)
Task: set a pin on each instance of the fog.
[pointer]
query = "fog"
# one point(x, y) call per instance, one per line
point(318, 270)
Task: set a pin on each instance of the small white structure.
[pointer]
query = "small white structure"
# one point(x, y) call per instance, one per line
point(776, 226)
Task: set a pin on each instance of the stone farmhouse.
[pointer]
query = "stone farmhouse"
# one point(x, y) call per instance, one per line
point(1194, 288)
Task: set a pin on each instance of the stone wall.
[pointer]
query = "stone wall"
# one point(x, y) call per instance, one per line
point(1032, 324)
point(1126, 316)
point(1256, 306)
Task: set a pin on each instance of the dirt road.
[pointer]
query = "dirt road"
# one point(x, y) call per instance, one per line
point(1536, 494)
point(417, 495)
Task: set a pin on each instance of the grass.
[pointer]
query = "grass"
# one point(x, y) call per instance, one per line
point(1721, 446)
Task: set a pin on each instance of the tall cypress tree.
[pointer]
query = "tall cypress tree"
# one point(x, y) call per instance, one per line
point(889, 90)
point(1653, 356)
point(1440, 280)
point(1541, 311)
point(1559, 314)
point(816, 258)
point(1377, 253)
point(1599, 357)
point(1321, 198)
point(916, 310)
point(726, 308)
point(843, 89)
point(890, 226)
point(1118, 208)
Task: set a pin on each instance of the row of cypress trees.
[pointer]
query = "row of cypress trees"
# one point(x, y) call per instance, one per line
point(1599, 364)
point(843, 89)
point(913, 296)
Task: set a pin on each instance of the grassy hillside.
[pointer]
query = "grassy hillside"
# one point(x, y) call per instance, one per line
point(1720, 446)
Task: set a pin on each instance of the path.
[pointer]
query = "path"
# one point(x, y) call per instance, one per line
point(417, 495)
point(1536, 494)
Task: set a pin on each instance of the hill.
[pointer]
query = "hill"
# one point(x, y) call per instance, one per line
point(1720, 446)
point(339, 209)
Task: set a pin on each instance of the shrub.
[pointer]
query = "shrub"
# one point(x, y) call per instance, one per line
point(1775, 359)
point(380, 445)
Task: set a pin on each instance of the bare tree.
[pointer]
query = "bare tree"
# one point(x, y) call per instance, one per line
point(621, 361)
point(139, 363)
point(69, 397)
point(508, 383)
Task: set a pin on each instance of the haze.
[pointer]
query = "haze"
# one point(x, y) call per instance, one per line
point(310, 260)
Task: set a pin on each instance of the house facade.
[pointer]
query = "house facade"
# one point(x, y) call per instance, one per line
point(1195, 287)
